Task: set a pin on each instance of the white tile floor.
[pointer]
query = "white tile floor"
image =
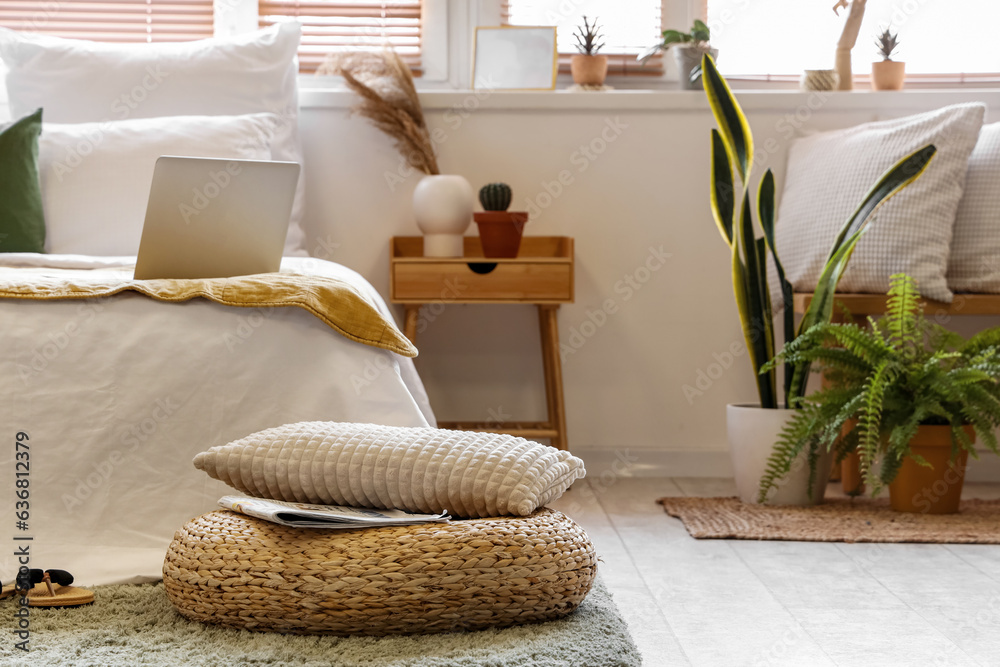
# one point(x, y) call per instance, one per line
point(731, 603)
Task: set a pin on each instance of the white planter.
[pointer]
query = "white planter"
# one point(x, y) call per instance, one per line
point(442, 207)
point(688, 59)
point(753, 431)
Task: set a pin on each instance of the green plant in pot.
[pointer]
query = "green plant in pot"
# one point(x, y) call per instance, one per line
point(888, 74)
point(908, 395)
point(499, 229)
point(689, 48)
point(754, 429)
point(588, 67)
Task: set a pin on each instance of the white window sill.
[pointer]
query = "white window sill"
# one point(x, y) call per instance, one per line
point(661, 100)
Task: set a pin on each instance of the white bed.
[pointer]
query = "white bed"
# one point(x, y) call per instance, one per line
point(118, 396)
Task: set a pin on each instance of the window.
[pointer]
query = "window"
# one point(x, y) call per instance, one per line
point(785, 37)
point(629, 27)
point(363, 24)
point(111, 20)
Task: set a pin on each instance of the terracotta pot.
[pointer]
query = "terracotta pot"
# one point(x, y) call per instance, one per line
point(936, 490)
point(588, 70)
point(888, 75)
point(500, 232)
point(752, 432)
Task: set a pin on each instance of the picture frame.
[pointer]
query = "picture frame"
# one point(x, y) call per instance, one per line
point(515, 58)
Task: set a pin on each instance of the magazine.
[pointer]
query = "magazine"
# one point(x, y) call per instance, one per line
point(304, 515)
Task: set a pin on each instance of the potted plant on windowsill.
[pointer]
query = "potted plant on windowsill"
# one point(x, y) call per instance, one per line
point(908, 395)
point(888, 74)
point(589, 68)
point(499, 229)
point(754, 429)
point(689, 48)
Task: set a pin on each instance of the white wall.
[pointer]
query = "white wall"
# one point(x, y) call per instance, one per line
point(647, 191)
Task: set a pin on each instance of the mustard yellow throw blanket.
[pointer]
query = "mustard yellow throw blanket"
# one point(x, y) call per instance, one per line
point(334, 301)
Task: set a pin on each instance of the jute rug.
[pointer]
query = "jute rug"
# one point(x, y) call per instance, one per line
point(837, 520)
point(136, 625)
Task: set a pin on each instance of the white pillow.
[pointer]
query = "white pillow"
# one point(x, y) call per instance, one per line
point(79, 81)
point(828, 175)
point(468, 474)
point(974, 265)
point(96, 176)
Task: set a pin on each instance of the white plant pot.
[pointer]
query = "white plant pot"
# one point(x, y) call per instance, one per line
point(442, 207)
point(753, 432)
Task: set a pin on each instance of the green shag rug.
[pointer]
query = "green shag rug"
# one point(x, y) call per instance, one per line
point(136, 625)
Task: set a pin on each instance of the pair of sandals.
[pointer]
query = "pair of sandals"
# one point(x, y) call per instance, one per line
point(49, 588)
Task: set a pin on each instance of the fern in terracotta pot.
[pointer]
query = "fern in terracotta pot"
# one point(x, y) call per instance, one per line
point(908, 395)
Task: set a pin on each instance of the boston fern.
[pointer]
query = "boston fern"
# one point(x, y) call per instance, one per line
point(884, 382)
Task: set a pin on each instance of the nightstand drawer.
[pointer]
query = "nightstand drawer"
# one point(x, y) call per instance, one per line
point(541, 274)
point(524, 281)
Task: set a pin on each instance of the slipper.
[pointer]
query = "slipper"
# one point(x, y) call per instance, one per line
point(63, 595)
point(44, 594)
point(6, 591)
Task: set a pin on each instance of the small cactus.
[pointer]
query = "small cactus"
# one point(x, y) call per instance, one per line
point(886, 44)
point(495, 196)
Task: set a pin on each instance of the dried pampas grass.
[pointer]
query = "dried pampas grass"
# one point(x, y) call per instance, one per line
point(389, 100)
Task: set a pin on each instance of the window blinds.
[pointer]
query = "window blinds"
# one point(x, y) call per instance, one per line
point(363, 24)
point(111, 20)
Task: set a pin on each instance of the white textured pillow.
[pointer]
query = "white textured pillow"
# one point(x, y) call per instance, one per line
point(828, 175)
point(417, 469)
point(974, 265)
point(96, 176)
point(78, 81)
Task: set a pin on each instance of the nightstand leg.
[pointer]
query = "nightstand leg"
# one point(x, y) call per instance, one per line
point(548, 319)
point(410, 325)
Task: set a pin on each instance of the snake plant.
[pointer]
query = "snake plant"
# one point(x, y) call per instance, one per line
point(902, 372)
point(732, 146)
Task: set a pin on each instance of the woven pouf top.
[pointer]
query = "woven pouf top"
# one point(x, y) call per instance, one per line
point(234, 570)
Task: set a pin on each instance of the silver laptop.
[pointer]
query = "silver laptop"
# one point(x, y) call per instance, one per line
point(215, 218)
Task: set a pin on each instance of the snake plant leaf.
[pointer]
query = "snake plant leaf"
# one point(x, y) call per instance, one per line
point(767, 317)
point(723, 192)
point(765, 213)
point(728, 114)
point(820, 309)
point(897, 177)
point(744, 294)
point(757, 322)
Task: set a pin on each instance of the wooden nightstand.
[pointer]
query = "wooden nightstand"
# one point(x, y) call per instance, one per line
point(542, 275)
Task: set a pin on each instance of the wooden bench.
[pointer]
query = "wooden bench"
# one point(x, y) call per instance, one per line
point(874, 304)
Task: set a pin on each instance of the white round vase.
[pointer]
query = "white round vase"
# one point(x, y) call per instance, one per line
point(753, 432)
point(442, 207)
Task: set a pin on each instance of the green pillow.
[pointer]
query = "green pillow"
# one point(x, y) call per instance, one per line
point(22, 222)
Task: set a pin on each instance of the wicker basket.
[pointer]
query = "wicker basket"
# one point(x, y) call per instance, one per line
point(233, 570)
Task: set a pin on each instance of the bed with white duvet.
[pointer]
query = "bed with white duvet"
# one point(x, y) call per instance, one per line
point(117, 395)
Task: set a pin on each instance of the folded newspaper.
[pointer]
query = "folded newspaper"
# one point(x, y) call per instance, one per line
point(304, 515)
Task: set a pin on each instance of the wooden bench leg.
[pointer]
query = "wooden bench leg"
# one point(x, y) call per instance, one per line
point(549, 322)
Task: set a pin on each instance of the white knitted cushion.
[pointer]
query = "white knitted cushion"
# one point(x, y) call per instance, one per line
point(829, 174)
point(974, 265)
point(388, 467)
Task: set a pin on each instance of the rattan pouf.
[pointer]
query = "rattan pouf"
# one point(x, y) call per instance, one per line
point(234, 570)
